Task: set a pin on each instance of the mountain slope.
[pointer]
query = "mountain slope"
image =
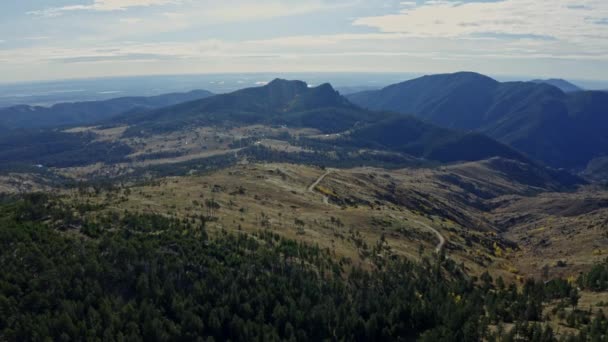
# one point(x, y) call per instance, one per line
point(280, 102)
point(420, 139)
point(429, 97)
point(563, 130)
point(85, 113)
point(563, 85)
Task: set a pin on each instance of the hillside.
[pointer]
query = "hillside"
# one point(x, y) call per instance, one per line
point(417, 138)
point(562, 130)
point(87, 113)
point(140, 276)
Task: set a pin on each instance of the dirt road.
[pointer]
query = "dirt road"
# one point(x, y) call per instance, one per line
point(312, 187)
point(439, 236)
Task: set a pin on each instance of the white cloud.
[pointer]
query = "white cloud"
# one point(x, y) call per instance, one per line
point(572, 21)
point(216, 11)
point(198, 15)
point(102, 5)
point(260, 10)
point(437, 35)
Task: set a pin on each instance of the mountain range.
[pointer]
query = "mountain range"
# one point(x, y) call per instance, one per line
point(89, 112)
point(280, 103)
point(565, 130)
point(293, 103)
point(442, 118)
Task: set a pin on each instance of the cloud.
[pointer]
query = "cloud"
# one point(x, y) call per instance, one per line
point(565, 20)
point(308, 49)
point(224, 11)
point(133, 57)
point(240, 35)
point(102, 5)
point(260, 10)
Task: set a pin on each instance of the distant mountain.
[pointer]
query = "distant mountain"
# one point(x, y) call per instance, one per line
point(563, 85)
point(563, 130)
point(280, 102)
point(85, 113)
point(293, 103)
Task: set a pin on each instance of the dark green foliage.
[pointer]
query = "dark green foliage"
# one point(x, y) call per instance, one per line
point(57, 149)
point(596, 330)
point(145, 277)
point(596, 279)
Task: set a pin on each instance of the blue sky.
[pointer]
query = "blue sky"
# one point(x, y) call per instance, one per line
point(43, 39)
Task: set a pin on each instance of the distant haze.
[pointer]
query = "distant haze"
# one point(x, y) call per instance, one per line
point(51, 92)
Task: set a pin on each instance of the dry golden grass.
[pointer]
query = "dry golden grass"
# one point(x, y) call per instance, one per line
point(551, 228)
point(359, 213)
point(181, 146)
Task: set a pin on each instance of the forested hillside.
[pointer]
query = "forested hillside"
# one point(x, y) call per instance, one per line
point(135, 277)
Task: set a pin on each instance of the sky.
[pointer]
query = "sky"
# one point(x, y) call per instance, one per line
point(63, 39)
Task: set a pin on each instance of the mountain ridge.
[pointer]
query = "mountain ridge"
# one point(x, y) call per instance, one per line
point(563, 85)
point(279, 102)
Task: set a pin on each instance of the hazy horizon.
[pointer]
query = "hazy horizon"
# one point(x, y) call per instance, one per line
point(49, 92)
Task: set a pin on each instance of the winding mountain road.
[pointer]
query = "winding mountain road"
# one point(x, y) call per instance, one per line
point(312, 187)
point(439, 236)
